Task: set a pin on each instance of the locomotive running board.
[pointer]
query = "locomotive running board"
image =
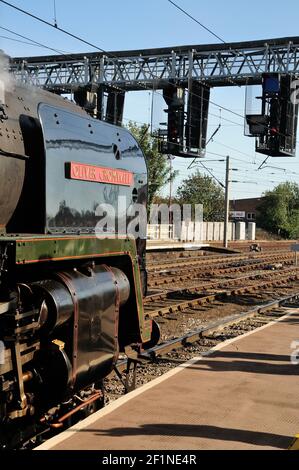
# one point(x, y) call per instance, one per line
point(23, 252)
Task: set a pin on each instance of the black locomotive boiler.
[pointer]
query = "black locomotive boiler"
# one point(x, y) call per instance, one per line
point(69, 300)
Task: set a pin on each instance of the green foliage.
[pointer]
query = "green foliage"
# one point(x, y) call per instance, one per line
point(279, 210)
point(202, 189)
point(159, 173)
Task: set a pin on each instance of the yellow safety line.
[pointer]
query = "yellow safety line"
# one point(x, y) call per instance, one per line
point(295, 443)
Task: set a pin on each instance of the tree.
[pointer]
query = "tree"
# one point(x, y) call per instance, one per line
point(159, 173)
point(279, 210)
point(202, 189)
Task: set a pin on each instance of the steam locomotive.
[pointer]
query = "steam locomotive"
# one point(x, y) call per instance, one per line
point(70, 301)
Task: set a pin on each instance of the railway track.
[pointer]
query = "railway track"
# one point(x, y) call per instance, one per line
point(166, 268)
point(203, 332)
point(220, 269)
point(155, 266)
point(165, 303)
point(197, 342)
point(204, 285)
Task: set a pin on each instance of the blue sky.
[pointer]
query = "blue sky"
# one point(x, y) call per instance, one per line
point(134, 24)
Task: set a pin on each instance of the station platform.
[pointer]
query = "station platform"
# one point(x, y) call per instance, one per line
point(160, 245)
point(242, 395)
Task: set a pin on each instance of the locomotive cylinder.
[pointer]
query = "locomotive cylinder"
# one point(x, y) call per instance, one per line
point(79, 313)
point(57, 303)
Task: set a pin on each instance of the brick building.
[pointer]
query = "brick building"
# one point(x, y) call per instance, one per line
point(245, 209)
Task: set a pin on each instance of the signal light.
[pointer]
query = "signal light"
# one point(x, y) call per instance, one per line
point(275, 128)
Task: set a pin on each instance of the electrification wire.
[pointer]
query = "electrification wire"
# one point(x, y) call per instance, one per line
point(259, 176)
point(41, 20)
point(75, 37)
point(207, 29)
point(208, 170)
point(287, 172)
point(208, 152)
point(55, 26)
point(212, 174)
point(211, 32)
point(105, 52)
point(19, 41)
point(94, 46)
point(196, 21)
point(39, 44)
point(217, 172)
point(227, 120)
point(232, 148)
point(267, 166)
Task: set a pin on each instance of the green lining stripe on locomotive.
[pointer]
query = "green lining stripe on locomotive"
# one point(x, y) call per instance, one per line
point(56, 248)
point(46, 248)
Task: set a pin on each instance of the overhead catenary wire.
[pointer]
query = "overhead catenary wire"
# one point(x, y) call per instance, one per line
point(213, 103)
point(182, 10)
point(97, 47)
point(55, 26)
point(42, 45)
point(19, 41)
point(34, 43)
point(196, 21)
point(219, 174)
point(71, 35)
point(208, 152)
point(93, 45)
point(212, 175)
point(108, 54)
point(74, 36)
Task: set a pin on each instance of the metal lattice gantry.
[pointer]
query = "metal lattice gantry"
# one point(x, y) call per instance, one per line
point(217, 64)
